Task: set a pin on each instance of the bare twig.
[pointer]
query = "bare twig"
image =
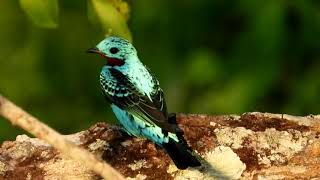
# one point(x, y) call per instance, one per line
point(19, 117)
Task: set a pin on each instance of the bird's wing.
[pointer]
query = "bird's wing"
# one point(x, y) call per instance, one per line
point(124, 94)
point(158, 96)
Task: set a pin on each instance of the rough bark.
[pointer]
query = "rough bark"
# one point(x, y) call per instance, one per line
point(250, 146)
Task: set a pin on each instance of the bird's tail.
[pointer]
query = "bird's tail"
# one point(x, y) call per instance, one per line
point(181, 154)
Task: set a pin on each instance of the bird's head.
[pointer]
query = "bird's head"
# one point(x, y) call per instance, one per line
point(116, 50)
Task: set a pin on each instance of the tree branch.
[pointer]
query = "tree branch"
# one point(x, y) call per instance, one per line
point(32, 125)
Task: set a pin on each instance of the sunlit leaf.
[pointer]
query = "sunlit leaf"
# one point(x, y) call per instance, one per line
point(43, 13)
point(122, 7)
point(113, 21)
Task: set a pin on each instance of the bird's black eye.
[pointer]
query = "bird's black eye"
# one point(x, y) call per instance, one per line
point(114, 50)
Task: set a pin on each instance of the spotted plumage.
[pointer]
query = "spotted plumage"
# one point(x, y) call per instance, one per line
point(138, 101)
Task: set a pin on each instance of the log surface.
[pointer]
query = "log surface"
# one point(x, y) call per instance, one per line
point(251, 146)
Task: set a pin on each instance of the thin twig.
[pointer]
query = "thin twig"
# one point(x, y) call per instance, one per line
point(19, 117)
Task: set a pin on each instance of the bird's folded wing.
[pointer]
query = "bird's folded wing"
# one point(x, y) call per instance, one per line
point(124, 94)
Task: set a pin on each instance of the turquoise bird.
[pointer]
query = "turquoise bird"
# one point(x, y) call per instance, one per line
point(138, 101)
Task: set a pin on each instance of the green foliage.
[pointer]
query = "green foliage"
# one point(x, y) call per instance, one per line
point(197, 65)
point(210, 56)
point(43, 13)
point(111, 18)
point(111, 15)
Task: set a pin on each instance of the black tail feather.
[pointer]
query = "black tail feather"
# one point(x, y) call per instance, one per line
point(180, 154)
point(172, 119)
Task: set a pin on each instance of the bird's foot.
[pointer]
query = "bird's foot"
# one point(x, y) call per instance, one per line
point(172, 119)
point(124, 133)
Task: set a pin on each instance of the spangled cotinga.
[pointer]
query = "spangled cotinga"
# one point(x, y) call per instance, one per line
point(138, 101)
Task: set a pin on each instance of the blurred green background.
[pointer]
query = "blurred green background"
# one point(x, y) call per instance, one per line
point(211, 56)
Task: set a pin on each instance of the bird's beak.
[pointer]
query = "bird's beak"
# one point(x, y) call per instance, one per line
point(96, 51)
point(93, 50)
